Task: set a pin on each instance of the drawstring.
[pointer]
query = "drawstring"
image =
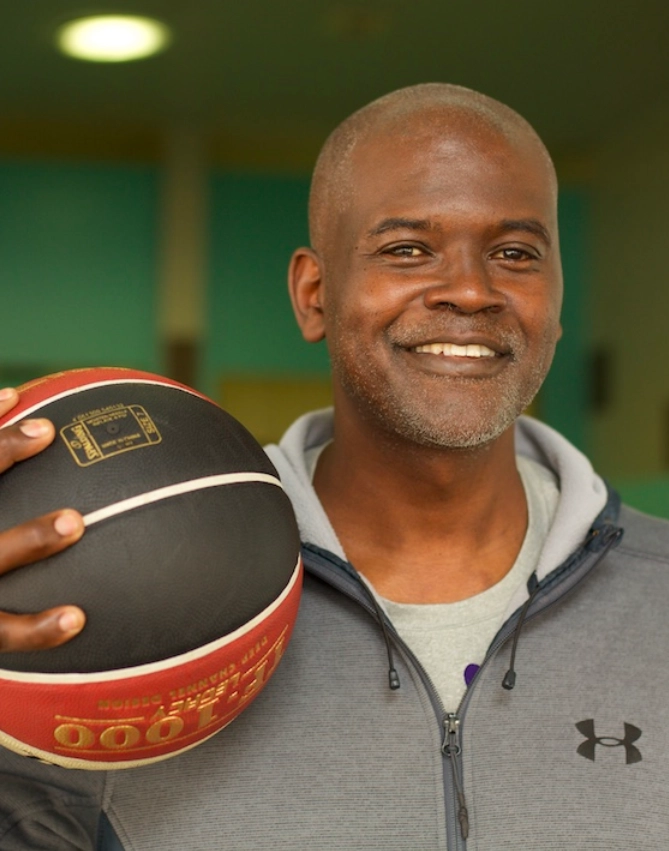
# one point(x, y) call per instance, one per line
point(393, 676)
point(509, 680)
point(599, 538)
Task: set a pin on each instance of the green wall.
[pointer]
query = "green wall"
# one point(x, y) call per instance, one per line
point(256, 222)
point(77, 267)
point(564, 399)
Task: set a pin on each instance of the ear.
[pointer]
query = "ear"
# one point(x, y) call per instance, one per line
point(305, 285)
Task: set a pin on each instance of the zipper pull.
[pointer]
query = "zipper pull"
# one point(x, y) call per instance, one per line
point(452, 749)
point(451, 745)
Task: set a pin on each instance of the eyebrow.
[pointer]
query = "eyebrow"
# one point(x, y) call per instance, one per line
point(532, 226)
point(399, 223)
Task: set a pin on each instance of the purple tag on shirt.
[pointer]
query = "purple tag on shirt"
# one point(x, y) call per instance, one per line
point(470, 673)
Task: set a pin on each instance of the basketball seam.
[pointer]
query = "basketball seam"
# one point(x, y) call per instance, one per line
point(176, 489)
point(164, 664)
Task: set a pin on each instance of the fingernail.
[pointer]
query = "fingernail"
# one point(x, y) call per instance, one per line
point(7, 393)
point(71, 621)
point(67, 523)
point(34, 428)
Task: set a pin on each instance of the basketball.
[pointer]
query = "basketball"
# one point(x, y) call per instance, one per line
point(188, 572)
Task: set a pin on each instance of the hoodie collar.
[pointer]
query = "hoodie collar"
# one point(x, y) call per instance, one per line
point(583, 493)
point(307, 432)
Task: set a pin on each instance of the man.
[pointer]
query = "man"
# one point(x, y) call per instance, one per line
point(437, 527)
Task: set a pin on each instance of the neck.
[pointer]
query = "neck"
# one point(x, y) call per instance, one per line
point(423, 524)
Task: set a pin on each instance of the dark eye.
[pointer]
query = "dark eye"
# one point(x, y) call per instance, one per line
point(513, 254)
point(405, 251)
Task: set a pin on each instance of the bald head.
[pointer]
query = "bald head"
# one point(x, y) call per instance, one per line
point(427, 110)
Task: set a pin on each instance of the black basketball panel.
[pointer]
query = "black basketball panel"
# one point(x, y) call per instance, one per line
point(116, 441)
point(163, 579)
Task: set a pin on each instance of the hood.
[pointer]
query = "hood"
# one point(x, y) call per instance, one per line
point(583, 493)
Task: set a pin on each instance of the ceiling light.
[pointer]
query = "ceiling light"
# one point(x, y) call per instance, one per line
point(112, 38)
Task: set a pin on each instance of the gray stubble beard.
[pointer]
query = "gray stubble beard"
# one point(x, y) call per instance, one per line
point(404, 421)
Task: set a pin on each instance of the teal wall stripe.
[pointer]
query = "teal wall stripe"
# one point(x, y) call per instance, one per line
point(564, 398)
point(256, 222)
point(77, 266)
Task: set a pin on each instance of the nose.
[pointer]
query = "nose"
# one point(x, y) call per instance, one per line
point(465, 285)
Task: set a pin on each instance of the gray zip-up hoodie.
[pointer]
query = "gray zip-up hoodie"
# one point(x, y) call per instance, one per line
point(330, 758)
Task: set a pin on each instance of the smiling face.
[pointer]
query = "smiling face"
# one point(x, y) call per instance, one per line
point(440, 284)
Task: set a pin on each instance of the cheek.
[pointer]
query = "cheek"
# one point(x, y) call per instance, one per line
point(381, 299)
point(540, 317)
point(362, 307)
point(554, 325)
point(542, 348)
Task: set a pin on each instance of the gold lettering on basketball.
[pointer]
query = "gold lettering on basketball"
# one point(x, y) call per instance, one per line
point(119, 737)
point(206, 714)
point(96, 412)
point(221, 675)
point(254, 650)
point(131, 702)
point(250, 689)
point(90, 451)
point(73, 736)
point(145, 420)
point(184, 714)
point(164, 729)
point(105, 432)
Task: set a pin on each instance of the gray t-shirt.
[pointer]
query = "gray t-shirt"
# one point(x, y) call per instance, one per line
point(451, 639)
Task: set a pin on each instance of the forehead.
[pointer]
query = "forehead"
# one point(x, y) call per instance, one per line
point(448, 170)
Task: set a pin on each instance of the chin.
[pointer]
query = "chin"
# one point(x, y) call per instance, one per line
point(466, 423)
point(460, 438)
point(440, 413)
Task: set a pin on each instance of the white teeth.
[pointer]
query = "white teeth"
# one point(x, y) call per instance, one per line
point(451, 350)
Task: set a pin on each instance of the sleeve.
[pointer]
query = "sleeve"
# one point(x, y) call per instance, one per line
point(36, 815)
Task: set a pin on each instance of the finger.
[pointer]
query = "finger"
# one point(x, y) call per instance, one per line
point(8, 398)
point(23, 440)
point(40, 631)
point(39, 538)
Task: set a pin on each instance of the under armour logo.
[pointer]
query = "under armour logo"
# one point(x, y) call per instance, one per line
point(587, 748)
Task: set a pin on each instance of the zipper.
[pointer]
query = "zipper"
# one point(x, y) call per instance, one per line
point(452, 749)
point(352, 587)
point(606, 538)
point(350, 584)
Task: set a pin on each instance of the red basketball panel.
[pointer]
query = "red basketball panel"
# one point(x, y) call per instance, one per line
point(140, 717)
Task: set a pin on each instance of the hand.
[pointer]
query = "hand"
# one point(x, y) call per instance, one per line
point(34, 540)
